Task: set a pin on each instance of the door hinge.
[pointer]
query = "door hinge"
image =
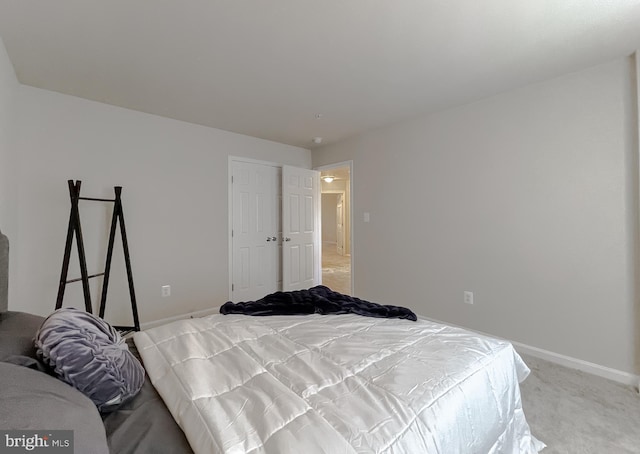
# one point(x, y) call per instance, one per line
point(231, 179)
point(233, 287)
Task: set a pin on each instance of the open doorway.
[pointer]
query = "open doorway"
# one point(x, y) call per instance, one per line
point(335, 184)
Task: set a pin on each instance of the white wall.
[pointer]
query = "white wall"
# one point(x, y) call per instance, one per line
point(527, 199)
point(8, 88)
point(174, 178)
point(329, 217)
point(341, 187)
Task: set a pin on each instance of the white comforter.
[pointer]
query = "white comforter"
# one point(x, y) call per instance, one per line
point(337, 384)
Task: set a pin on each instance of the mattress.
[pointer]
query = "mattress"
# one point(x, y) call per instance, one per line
point(337, 384)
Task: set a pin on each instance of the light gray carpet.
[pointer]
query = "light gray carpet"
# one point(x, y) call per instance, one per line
point(575, 412)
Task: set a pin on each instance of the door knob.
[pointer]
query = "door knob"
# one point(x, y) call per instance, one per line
point(273, 238)
point(287, 239)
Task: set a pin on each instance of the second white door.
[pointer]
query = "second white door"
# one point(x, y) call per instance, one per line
point(301, 259)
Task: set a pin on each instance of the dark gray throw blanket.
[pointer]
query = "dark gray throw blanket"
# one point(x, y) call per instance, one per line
point(316, 300)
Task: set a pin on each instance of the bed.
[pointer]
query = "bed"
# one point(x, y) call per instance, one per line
point(280, 384)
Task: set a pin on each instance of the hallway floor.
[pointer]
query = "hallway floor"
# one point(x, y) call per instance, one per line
point(336, 269)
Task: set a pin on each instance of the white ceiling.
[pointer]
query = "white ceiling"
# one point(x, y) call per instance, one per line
point(340, 173)
point(266, 68)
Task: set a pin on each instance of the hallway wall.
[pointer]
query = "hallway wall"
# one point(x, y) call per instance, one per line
point(329, 218)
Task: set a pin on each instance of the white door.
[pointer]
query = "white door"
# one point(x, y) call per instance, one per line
point(340, 225)
point(255, 230)
point(301, 260)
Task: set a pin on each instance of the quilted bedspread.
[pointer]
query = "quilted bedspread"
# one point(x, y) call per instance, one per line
point(337, 384)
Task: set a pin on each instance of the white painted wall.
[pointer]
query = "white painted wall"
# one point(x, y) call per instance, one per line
point(329, 217)
point(8, 88)
point(174, 178)
point(528, 199)
point(336, 187)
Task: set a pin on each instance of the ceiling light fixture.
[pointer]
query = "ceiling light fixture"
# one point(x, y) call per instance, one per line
point(317, 140)
point(328, 179)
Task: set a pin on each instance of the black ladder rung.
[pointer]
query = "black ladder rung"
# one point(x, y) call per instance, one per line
point(88, 277)
point(96, 200)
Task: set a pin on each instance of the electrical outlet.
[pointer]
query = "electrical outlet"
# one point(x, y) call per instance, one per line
point(166, 290)
point(468, 297)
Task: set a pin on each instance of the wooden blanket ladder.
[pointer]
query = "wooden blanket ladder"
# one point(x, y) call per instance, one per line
point(75, 228)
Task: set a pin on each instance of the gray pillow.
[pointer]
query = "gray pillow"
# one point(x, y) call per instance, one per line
point(89, 354)
point(17, 330)
point(33, 400)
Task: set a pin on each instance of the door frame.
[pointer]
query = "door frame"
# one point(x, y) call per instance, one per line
point(352, 254)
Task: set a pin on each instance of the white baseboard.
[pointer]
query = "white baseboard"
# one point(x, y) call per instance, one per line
point(616, 375)
point(164, 321)
point(585, 366)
